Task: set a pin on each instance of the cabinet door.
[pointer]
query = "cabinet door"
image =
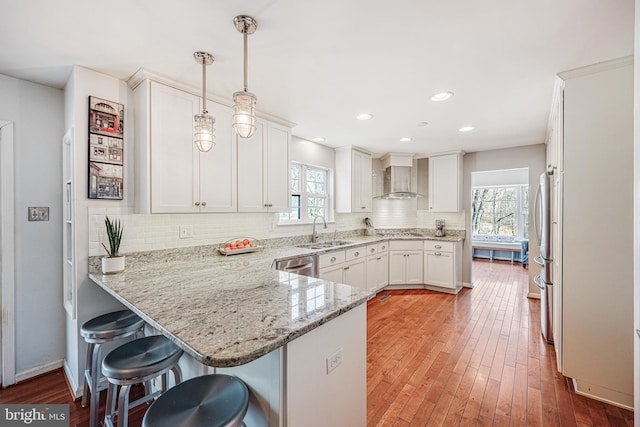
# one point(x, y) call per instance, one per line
point(361, 182)
point(174, 157)
point(438, 269)
point(413, 269)
point(276, 179)
point(444, 183)
point(396, 267)
point(335, 273)
point(377, 271)
point(355, 273)
point(218, 166)
point(251, 171)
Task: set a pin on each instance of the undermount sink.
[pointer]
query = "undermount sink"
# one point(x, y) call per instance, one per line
point(324, 245)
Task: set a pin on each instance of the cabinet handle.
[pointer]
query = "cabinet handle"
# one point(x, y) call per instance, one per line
point(438, 247)
point(372, 250)
point(378, 259)
point(197, 203)
point(333, 259)
point(437, 254)
point(356, 254)
point(384, 247)
point(270, 205)
point(363, 207)
point(204, 203)
point(346, 268)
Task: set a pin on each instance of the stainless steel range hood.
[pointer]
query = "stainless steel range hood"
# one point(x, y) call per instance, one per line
point(397, 177)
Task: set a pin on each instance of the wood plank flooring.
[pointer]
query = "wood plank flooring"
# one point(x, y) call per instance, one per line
point(477, 358)
point(434, 359)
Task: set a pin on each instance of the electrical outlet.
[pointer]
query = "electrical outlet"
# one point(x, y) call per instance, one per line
point(38, 214)
point(334, 360)
point(186, 231)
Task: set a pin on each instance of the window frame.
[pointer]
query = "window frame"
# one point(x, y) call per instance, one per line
point(304, 195)
point(522, 194)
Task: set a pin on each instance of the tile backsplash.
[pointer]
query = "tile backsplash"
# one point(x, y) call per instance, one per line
point(162, 231)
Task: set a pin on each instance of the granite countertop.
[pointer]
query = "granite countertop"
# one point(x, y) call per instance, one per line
point(229, 310)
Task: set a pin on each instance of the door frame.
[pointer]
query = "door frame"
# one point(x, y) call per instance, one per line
point(7, 242)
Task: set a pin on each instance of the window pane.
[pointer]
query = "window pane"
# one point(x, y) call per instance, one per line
point(495, 211)
point(316, 180)
point(295, 178)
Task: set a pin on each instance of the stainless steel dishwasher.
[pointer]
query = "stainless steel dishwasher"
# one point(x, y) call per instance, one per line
point(305, 265)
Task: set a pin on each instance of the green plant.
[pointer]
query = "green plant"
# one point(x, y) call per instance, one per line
point(114, 233)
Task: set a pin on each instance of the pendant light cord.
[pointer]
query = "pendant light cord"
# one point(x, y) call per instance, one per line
point(204, 87)
point(246, 29)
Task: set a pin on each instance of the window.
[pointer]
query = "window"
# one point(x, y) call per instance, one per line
point(501, 210)
point(309, 194)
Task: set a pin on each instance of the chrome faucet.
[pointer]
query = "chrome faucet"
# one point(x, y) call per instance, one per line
point(314, 234)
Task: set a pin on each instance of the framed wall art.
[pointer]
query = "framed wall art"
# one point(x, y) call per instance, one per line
point(106, 149)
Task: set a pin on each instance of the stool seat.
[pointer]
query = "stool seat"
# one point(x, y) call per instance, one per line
point(141, 358)
point(211, 400)
point(110, 325)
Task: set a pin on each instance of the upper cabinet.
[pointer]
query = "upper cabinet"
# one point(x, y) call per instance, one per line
point(263, 169)
point(354, 183)
point(173, 176)
point(445, 182)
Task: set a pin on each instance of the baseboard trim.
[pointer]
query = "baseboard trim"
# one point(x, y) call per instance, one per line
point(467, 285)
point(603, 394)
point(39, 370)
point(533, 296)
point(74, 388)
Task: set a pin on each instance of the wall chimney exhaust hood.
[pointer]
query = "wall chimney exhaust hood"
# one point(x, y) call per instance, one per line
point(397, 177)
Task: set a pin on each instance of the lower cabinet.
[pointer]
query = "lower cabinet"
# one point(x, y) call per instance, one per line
point(377, 266)
point(405, 262)
point(443, 264)
point(346, 266)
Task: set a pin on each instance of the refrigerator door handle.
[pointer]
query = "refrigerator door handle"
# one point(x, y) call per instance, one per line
point(538, 260)
point(538, 281)
point(538, 214)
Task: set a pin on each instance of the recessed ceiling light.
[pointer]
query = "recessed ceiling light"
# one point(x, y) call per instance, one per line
point(441, 96)
point(364, 116)
point(466, 129)
point(405, 139)
point(318, 139)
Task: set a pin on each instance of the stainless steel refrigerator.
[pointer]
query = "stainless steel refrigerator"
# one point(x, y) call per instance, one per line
point(544, 280)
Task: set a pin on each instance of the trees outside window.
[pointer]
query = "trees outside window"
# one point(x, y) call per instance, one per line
point(500, 211)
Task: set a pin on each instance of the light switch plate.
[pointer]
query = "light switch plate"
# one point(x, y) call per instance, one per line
point(38, 214)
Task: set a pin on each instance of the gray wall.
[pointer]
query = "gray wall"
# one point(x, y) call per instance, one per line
point(37, 114)
point(530, 156)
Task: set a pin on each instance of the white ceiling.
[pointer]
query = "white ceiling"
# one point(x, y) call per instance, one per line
point(319, 63)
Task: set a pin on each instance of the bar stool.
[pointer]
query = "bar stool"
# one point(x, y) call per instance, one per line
point(138, 362)
point(208, 401)
point(96, 332)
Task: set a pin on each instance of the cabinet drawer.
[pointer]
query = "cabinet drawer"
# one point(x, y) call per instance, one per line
point(355, 253)
point(405, 245)
point(437, 245)
point(332, 258)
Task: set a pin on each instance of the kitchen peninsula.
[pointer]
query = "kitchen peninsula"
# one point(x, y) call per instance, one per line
point(295, 340)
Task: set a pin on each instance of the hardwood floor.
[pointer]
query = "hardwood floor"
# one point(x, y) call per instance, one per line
point(435, 359)
point(477, 358)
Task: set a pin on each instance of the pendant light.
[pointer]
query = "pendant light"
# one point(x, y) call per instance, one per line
point(244, 103)
point(203, 122)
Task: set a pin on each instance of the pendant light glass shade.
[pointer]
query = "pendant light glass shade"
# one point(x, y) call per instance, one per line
point(244, 102)
point(204, 137)
point(244, 113)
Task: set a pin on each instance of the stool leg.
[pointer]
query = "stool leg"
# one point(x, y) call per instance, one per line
point(123, 406)
point(177, 374)
point(95, 379)
point(110, 405)
point(85, 391)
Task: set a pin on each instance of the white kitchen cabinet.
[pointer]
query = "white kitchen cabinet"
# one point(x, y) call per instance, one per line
point(445, 183)
point(263, 169)
point(346, 266)
point(405, 262)
point(354, 181)
point(443, 264)
point(172, 176)
point(377, 266)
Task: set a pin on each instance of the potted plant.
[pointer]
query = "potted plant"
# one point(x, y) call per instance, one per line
point(113, 262)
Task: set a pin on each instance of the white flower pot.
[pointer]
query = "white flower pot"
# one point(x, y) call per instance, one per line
point(112, 265)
